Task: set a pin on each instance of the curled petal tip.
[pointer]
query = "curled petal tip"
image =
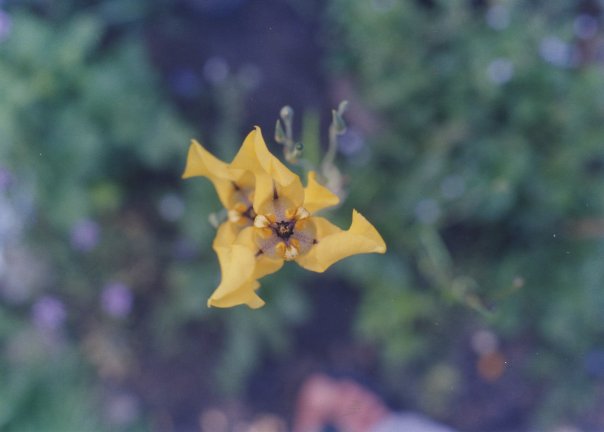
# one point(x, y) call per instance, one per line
point(316, 196)
point(253, 302)
point(366, 229)
point(335, 244)
point(256, 303)
point(201, 163)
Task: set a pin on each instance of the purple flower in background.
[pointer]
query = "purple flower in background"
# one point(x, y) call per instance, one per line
point(585, 26)
point(6, 178)
point(594, 363)
point(500, 70)
point(498, 17)
point(555, 51)
point(48, 313)
point(171, 207)
point(85, 235)
point(184, 249)
point(351, 142)
point(122, 410)
point(216, 70)
point(185, 83)
point(116, 299)
point(5, 25)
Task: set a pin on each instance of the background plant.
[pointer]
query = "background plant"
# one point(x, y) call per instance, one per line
point(488, 158)
point(474, 144)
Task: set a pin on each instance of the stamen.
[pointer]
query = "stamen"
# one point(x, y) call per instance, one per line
point(265, 233)
point(280, 249)
point(235, 186)
point(290, 213)
point(240, 207)
point(302, 213)
point(260, 252)
point(234, 216)
point(261, 221)
point(291, 252)
point(284, 231)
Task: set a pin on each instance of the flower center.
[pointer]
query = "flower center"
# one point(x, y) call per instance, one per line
point(284, 229)
point(284, 232)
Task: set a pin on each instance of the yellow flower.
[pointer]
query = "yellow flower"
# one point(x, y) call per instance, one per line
point(284, 225)
point(235, 187)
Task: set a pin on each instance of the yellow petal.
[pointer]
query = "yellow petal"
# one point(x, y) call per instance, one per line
point(264, 265)
point(237, 264)
point(335, 244)
point(200, 162)
point(226, 235)
point(244, 179)
point(240, 267)
point(246, 295)
point(254, 156)
point(264, 192)
point(317, 196)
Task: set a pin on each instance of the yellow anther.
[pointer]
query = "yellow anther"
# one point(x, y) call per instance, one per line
point(300, 224)
point(261, 221)
point(291, 252)
point(290, 213)
point(240, 207)
point(301, 213)
point(266, 233)
point(234, 216)
point(280, 248)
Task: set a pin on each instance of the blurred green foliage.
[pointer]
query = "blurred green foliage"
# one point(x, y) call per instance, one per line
point(483, 171)
point(485, 176)
point(89, 137)
point(80, 124)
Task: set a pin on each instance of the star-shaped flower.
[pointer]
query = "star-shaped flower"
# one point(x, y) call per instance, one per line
point(272, 220)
